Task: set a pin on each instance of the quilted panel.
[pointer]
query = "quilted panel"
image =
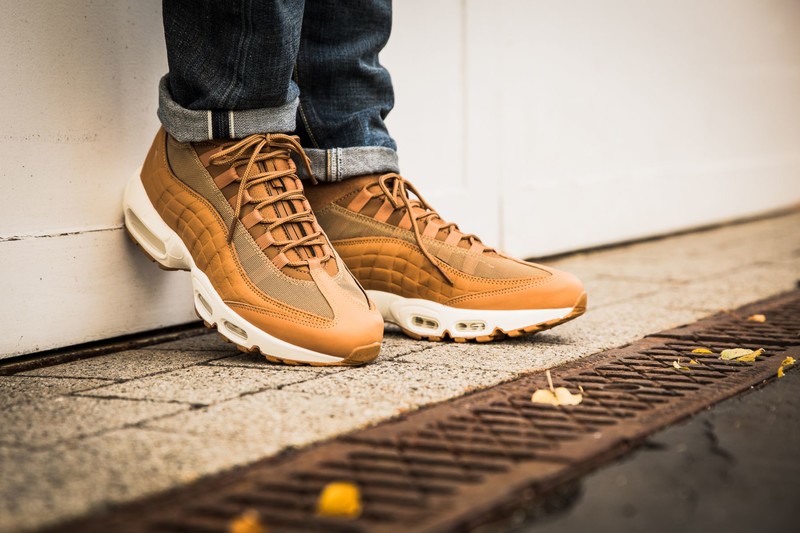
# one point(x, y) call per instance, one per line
point(398, 267)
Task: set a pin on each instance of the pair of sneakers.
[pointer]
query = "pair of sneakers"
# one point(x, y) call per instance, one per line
point(308, 276)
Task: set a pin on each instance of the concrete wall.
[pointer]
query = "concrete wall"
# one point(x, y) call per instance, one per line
point(543, 126)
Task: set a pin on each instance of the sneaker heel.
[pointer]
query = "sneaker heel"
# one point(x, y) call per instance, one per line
point(149, 231)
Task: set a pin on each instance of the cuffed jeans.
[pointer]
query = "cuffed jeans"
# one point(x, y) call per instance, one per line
point(283, 66)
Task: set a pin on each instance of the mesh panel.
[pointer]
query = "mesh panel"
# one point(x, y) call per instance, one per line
point(340, 224)
point(262, 272)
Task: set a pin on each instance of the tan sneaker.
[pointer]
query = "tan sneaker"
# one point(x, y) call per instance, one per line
point(427, 276)
point(263, 272)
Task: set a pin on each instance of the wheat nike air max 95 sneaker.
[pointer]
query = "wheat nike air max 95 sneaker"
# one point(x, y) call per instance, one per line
point(264, 274)
point(430, 278)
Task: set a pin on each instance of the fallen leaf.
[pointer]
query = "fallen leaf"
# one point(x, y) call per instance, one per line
point(751, 357)
point(702, 350)
point(757, 318)
point(565, 397)
point(679, 366)
point(788, 361)
point(340, 499)
point(693, 362)
point(780, 372)
point(556, 396)
point(247, 522)
point(740, 354)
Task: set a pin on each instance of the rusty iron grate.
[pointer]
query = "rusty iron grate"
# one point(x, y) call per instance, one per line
point(457, 464)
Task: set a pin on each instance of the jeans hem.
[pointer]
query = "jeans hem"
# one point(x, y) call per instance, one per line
point(195, 125)
point(337, 164)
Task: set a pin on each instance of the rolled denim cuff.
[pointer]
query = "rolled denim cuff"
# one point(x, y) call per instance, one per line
point(190, 125)
point(337, 164)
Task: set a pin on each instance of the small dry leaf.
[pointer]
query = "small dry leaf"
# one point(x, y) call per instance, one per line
point(780, 372)
point(788, 361)
point(751, 357)
point(556, 396)
point(702, 350)
point(247, 522)
point(740, 354)
point(677, 365)
point(757, 318)
point(340, 499)
point(693, 362)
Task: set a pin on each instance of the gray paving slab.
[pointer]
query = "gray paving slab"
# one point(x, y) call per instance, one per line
point(129, 364)
point(605, 291)
point(27, 389)
point(278, 419)
point(406, 385)
point(206, 384)
point(515, 356)
point(733, 289)
point(210, 341)
point(61, 418)
point(39, 487)
point(618, 324)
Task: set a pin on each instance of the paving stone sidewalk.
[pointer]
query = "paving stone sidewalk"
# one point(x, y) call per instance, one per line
point(80, 436)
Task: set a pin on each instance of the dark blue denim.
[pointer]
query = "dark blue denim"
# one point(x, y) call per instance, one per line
point(307, 67)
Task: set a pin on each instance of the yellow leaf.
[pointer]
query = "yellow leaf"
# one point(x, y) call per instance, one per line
point(247, 522)
point(757, 318)
point(678, 366)
point(788, 361)
point(693, 362)
point(702, 350)
point(740, 354)
point(751, 357)
point(780, 372)
point(556, 395)
point(565, 397)
point(340, 499)
point(544, 396)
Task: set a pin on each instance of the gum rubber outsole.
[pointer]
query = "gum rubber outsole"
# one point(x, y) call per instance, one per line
point(498, 334)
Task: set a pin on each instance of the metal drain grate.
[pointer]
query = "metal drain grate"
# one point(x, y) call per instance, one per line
point(454, 465)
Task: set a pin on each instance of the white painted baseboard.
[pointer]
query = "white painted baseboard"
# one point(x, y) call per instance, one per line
point(70, 289)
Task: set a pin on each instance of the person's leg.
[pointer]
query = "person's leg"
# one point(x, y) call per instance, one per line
point(230, 68)
point(425, 274)
point(345, 93)
point(219, 193)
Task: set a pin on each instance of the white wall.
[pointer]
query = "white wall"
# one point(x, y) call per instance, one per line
point(543, 126)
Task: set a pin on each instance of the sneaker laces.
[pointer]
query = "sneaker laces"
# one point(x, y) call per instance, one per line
point(396, 189)
point(273, 146)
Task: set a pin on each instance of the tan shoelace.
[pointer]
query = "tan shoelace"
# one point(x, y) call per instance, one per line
point(396, 189)
point(265, 147)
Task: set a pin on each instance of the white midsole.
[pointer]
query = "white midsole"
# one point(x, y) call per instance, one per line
point(428, 318)
point(157, 238)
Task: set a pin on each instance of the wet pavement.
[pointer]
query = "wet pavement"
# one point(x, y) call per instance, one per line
point(732, 468)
